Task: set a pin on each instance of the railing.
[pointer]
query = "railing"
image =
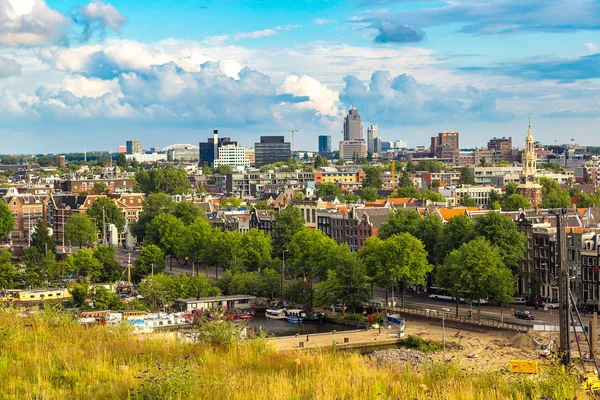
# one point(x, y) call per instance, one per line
point(461, 318)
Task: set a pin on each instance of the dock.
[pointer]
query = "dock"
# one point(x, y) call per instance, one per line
point(343, 340)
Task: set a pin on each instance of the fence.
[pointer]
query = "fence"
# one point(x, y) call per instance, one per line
point(556, 328)
point(461, 318)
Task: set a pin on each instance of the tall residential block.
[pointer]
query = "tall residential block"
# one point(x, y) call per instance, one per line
point(444, 141)
point(133, 146)
point(271, 149)
point(353, 128)
point(324, 144)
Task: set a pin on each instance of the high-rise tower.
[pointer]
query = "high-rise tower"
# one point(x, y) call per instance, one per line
point(353, 126)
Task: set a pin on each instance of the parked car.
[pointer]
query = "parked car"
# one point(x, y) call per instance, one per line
point(535, 302)
point(523, 314)
point(519, 300)
point(338, 308)
point(553, 305)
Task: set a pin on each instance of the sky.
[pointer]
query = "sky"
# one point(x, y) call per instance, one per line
point(77, 74)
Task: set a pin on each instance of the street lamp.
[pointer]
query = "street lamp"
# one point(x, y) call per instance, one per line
point(152, 265)
point(281, 277)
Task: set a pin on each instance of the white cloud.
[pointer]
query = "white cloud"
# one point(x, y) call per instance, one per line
point(82, 86)
point(221, 39)
point(103, 13)
point(593, 47)
point(9, 67)
point(321, 97)
point(323, 21)
point(29, 23)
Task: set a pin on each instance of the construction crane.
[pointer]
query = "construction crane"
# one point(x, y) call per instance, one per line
point(293, 131)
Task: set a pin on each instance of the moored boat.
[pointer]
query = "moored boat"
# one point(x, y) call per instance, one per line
point(275, 314)
point(313, 318)
point(294, 316)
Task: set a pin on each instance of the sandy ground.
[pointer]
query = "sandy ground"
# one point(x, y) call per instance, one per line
point(473, 350)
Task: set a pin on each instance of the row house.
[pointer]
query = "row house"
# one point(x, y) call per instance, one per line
point(113, 185)
point(263, 220)
point(590, 270)
point(61, 207)
point(26, 210)
point(309, 209)
point(357, 225)
point(230, 221)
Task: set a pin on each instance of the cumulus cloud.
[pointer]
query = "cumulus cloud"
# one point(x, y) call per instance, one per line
point(401, 100)
point(321, 98)
point(390, 32)
point(97, 17)
point(9, 67)
point(29, 23)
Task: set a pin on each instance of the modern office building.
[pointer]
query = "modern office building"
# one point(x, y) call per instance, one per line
point(324, 144)
point(209, 150)
point(271, 149)
point(232, 155)
point(348, 148)
point(353, 129)
point(373, 142)
point(133, 146)
point(182, 152)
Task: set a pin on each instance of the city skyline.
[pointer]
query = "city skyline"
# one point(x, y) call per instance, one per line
point(95, 74)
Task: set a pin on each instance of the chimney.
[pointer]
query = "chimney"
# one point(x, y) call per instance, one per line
point(216, 142)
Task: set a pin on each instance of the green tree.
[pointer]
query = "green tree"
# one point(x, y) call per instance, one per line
point(435, 184)
point(99, 188)
point(286, 223)
point(167, 232)
point(504, 289)
point(472, 272)
point(397, 261)
point(311, 253)
point(347, 282)
point(405, 180)
point(168, 180)
point(515, 202)
point(467, 201)
point(105, 299)
point(373, 177)
point(151, 258)
point(85, 265)
point(511, 189)
point(502, 232)
point(223, 170)
point(263, 205)
point(155, 204)
point(122, 160)
point(187, 212)
point(408, 192)
point(256, 248)
point(7, 222)
point(320, 161)
point(41, 238)
point(104, 211)
point(80, 230)
point(230, 202)
point(299, 292)
point(197, 242)
point(427, 194)
point(400, 220)
point(246, 283)
point(430, 166)
point(329, 190)
point(8, 271)
point(369, 194)
point(458, 230)
point(466, 178)
point(79, 293)
point(40, 268)
point(230, 253)
point(553, 196)
point(430, 232)
point(111, 269)
point(271, 283)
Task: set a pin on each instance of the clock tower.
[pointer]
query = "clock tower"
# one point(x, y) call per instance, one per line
point(529, 185)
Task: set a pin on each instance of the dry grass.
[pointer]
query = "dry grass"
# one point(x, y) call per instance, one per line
point(48, 356)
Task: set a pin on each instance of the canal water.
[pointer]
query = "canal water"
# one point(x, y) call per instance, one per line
point(279, 327)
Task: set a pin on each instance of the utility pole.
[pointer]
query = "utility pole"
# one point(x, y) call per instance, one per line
point(564, 309)
point(129, 268)
point(281, 277)
point(103, 226)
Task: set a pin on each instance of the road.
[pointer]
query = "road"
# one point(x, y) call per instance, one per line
point(415, 301)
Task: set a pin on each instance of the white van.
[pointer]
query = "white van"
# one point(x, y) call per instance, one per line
point(519, 300)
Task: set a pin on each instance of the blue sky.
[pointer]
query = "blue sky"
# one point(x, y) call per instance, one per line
point(94, 74)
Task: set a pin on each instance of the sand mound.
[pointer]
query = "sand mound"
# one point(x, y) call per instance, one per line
point(522, 341)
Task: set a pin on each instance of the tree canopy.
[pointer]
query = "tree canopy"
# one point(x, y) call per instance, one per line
point(104, 211)
point(7, 222)
point(167, 180)
point(80, 230)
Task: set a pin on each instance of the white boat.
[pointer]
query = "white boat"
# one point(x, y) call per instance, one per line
point(275, 314)
point(294, 316)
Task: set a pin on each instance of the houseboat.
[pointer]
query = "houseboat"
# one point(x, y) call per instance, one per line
point(216, 303)
point(294, 316)
point(275, 314)
point(34, 296)
point(312, 318)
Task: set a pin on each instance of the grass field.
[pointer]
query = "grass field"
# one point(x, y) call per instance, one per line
point(49, 356)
